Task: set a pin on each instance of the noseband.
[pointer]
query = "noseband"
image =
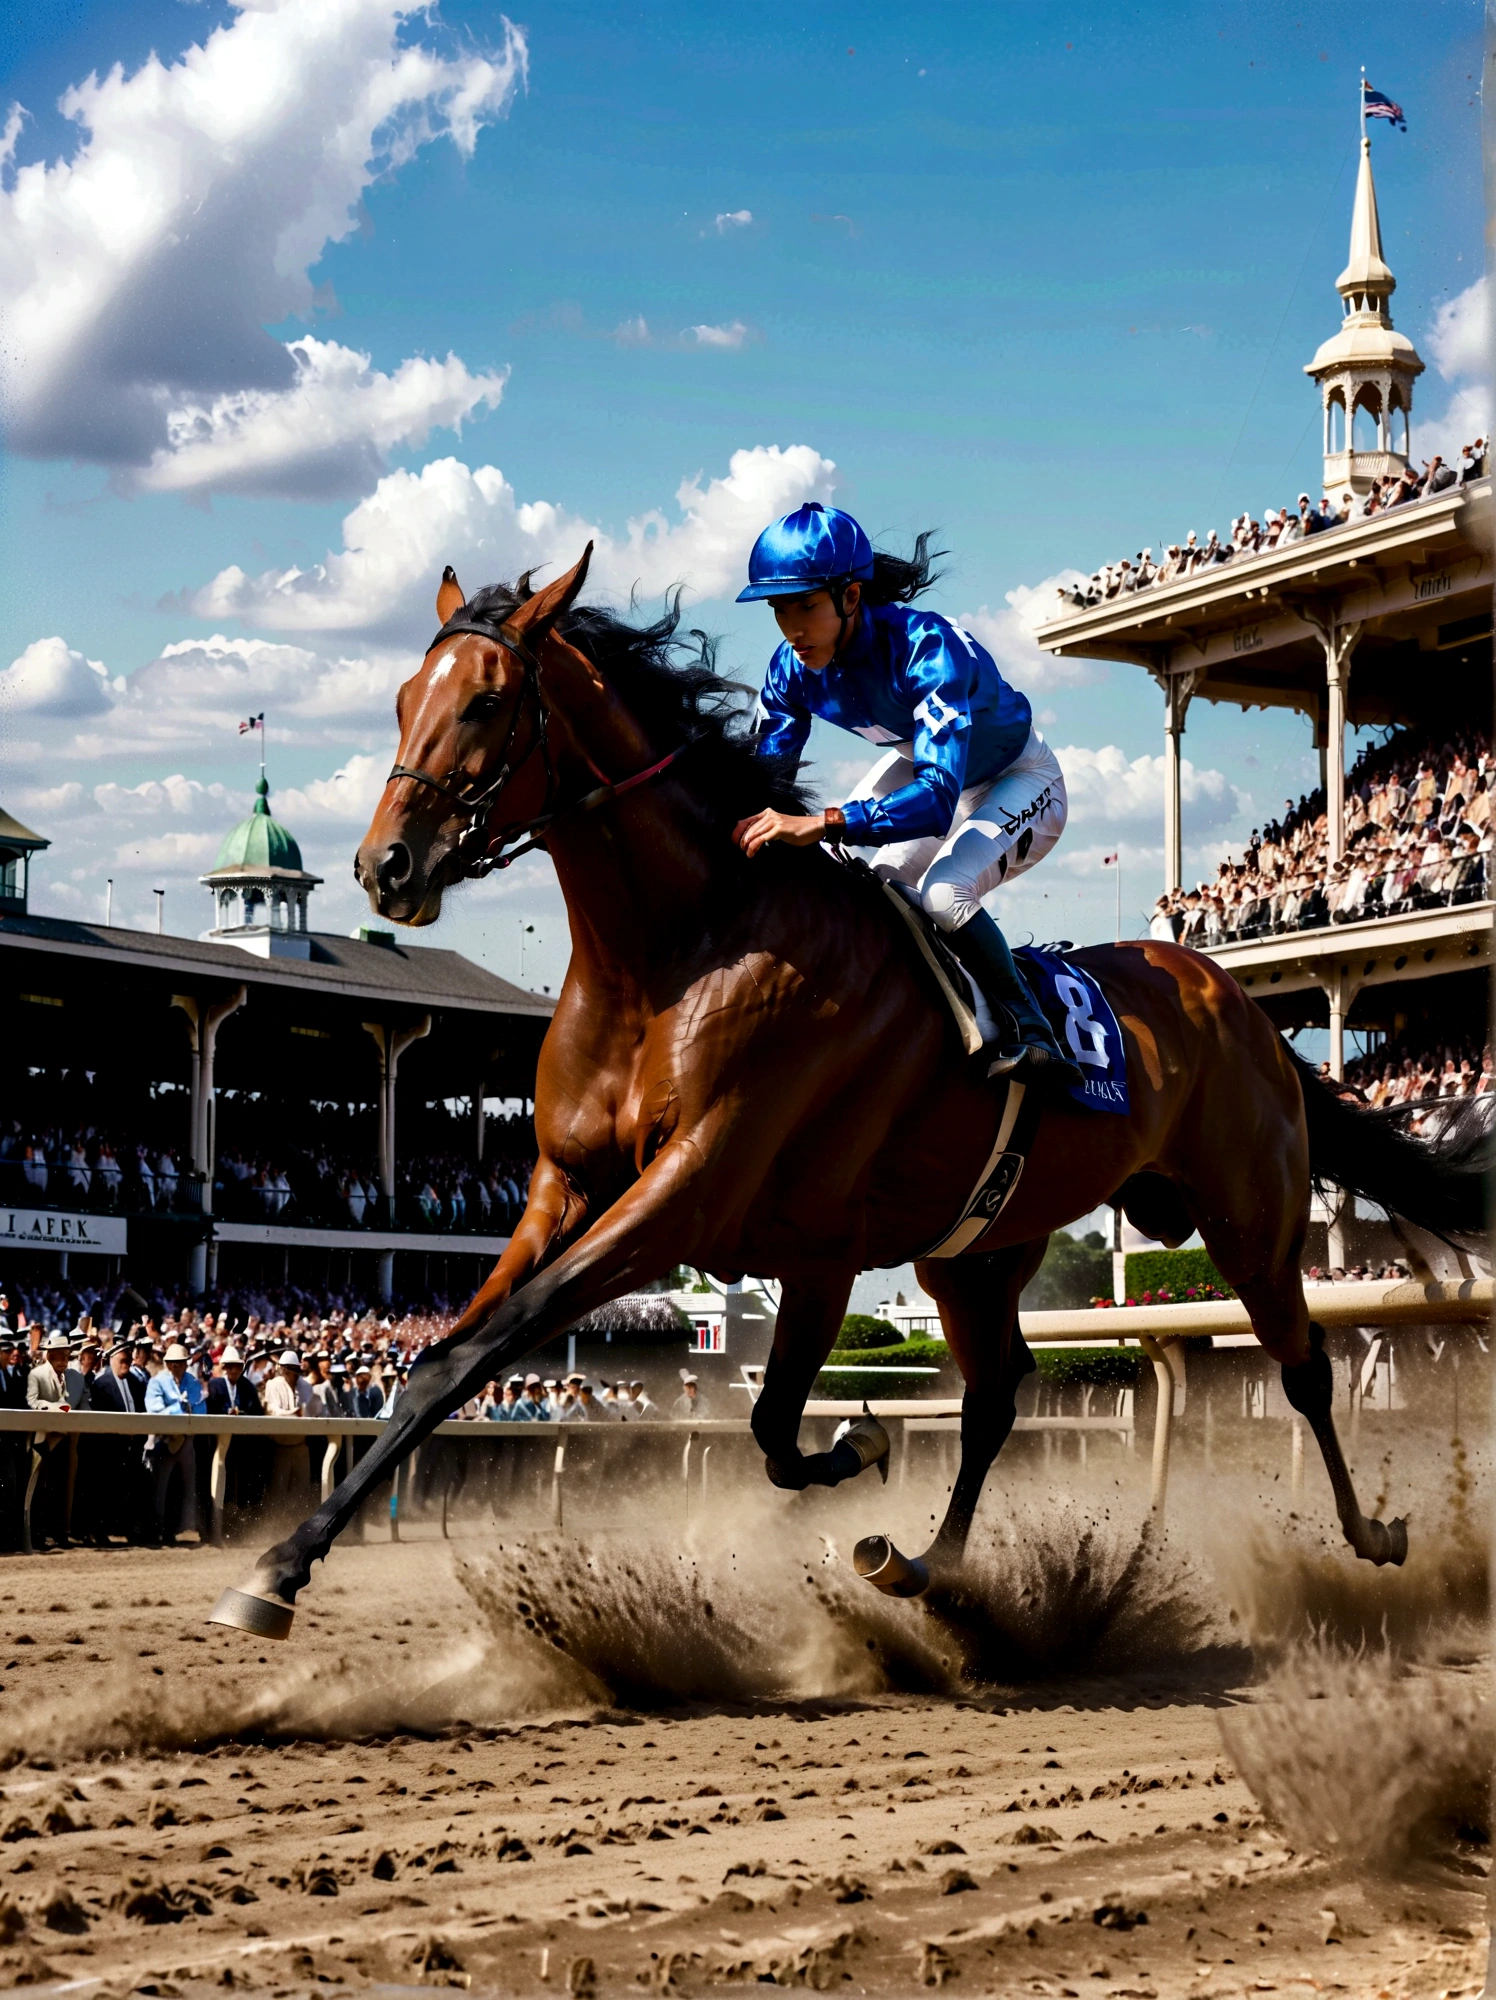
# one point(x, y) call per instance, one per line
point(473, 847)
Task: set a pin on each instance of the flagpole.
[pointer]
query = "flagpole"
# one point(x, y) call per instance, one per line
point(1363, 103)
point(262, 746)
point(1119, 894)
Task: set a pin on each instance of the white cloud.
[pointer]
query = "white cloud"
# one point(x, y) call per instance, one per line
point(326, 435)
point(50, 678)
point(395, 543)
point(1459, 343)
point(733, 218)
point(1008, 636)
point(633, 332)
point(140, 272)
point(717, 336)
point(1117, 794)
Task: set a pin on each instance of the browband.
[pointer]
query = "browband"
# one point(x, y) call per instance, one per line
point(500, 634)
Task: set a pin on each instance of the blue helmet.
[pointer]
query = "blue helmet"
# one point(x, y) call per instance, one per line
point(807, 550)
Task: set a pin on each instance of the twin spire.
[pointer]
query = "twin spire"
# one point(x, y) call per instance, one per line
point(1368, 367)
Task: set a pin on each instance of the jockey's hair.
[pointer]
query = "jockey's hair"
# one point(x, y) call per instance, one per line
point(900, 579)
point(670, 682)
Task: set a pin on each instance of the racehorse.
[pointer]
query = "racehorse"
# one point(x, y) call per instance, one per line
point(749, 1071)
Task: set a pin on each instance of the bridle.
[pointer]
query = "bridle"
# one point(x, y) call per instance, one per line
point(474, 851)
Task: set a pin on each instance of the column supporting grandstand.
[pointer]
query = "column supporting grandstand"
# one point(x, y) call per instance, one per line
point(1178, 690)
point(392, 1044)
point(204, 1019)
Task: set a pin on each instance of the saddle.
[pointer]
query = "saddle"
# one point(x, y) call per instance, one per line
point(1082, 1018)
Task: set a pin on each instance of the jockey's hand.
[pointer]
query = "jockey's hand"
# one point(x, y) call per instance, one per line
point(752, 834)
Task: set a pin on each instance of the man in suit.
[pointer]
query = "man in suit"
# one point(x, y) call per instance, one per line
point(15, 1446)
point(47, 1389)
point(232, 1393)
point(85, 1513)
point(122, 1489)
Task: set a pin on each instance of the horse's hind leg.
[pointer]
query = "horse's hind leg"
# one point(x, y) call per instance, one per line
point(1281, 1321)
point(1309, 1387)
point(978, 1300)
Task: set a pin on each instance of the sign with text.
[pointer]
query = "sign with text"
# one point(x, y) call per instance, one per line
point(62, 1229)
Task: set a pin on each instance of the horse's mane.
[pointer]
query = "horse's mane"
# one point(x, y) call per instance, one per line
point(671, 684)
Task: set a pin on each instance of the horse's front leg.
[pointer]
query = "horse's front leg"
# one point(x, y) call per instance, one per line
point(810, 1317)
point(654, 1225)
point(978, 1300)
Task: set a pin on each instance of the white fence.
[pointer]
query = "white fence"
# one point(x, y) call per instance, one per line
point(1153, 1328)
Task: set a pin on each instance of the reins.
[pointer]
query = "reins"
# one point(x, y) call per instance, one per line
point(473, 852)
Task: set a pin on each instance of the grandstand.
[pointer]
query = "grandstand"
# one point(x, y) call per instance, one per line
point(1367, 909)
point(223, 1110)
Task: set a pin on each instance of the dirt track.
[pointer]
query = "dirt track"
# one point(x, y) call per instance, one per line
point(435, 1782)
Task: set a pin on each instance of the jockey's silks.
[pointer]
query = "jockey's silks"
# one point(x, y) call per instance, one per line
point(912, 678)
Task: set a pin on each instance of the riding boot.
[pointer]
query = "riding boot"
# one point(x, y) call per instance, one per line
point(1032, 1054)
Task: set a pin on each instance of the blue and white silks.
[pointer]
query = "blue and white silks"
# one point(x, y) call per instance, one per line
point(910, 678)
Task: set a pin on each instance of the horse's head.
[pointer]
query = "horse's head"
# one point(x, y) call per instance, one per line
point(479, 753)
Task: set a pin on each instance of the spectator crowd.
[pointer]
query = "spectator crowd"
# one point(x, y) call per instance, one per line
point(1277, 529)
point(1395, 1074)
point(90, 1167)
point(1417, 836)
point(207, 1363)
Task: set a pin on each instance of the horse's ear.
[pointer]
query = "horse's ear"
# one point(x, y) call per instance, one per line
point(449, 598)
point(538, 613)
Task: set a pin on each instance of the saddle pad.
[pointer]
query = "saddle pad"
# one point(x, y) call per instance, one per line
point(1083, 1021)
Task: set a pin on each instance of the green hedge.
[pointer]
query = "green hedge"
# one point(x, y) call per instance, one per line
point(884, 1371)
point(861, 1331)
point(1115, 1366)
point(1074, 1272)
point(1180, 1273)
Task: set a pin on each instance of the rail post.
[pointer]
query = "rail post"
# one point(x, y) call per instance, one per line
point(558, 1474)
point(330, 1459)
point(28, 1547)
point(218, 1483)
point(1163, 1419)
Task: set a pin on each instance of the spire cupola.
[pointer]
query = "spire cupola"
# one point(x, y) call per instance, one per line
point(259, 886)
point(1365, 371)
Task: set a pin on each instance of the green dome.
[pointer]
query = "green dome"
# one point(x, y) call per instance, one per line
point(259, 841)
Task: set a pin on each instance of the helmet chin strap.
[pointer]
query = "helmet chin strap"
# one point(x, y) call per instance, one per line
point(838, 594)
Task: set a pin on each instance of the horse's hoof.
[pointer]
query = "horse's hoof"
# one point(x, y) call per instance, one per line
point(879, 1563)
point(870, 1441)
point(258, 1611)
point(1381, 1542)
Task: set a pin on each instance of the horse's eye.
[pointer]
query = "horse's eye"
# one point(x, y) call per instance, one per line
point(482, 708)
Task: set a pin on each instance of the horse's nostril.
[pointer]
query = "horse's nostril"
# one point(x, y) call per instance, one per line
point(393, 871)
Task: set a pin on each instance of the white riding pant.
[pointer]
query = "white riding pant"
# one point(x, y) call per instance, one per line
point(1000, 829)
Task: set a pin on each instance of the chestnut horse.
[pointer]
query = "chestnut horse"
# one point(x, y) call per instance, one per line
point(749, 1069)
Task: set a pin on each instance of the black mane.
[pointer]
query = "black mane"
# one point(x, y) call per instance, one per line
point(671, 684)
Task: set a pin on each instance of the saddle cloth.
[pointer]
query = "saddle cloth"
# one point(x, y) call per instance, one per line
point(1082, 1019)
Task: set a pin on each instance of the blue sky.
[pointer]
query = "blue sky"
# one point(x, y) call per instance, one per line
point(1041, 277)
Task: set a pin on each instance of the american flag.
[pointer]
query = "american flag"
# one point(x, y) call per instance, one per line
point(254, 722)
point(1376, 105)
point(1111, 860)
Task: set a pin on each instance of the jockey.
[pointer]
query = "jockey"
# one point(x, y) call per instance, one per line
point(968, 795)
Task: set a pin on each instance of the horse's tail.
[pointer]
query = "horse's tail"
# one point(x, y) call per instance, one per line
point(1437, 1183)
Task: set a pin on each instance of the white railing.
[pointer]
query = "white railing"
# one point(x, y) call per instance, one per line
point(1155, 1328)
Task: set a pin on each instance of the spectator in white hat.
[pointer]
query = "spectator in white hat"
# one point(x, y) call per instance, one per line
point(231, 1393)
point(174, 1393)
point(288, 1393)
point(47, 1386)
point(690, 1406)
